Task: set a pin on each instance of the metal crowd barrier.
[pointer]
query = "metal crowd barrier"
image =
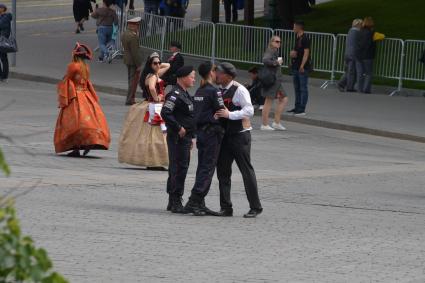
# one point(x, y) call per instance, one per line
point(152, 30)
point(414, 69)
point(241, 43)
point(395, 59)
point(322, 51)
point(388, 62)
point(197, 38)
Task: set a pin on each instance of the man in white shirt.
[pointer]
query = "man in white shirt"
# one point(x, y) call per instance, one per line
point(236, 145)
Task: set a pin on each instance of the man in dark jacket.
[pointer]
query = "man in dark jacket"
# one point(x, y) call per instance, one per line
point(176, 62)
point(5, 28)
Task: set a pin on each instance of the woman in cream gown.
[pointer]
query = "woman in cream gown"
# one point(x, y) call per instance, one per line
point(143, 139)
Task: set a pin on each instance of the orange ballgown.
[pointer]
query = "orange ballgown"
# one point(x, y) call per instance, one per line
point(81, 123)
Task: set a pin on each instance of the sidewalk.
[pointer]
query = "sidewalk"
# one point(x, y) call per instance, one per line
point(399, 117)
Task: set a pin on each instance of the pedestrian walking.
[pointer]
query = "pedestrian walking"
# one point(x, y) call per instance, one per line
point(352, 49)
point(236, 144)
point(179, 116)
point(5, 31)
point(364, 64)
point(142, 141)
point(300, 68)
point(81, 124)
point(105, 17)
point(273, 63)
point(176, 61)
point(231, 10)
point(151, 6)
point(81, 9)
point(132, 57)
point(209, 134)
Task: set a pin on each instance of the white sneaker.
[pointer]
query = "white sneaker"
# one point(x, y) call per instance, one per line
point(279, 127)
point(299, 114)
point(266, 128)
point(261, 107)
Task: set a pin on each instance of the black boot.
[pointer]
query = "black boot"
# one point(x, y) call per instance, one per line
point(207, 210)
point(176, 205)
point(169, 203)
point(194, 207)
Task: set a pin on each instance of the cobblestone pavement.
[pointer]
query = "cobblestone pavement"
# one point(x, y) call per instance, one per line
point(338, 206)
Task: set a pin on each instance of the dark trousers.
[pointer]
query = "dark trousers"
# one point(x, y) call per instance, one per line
point(133, 80)
point(367, 72)
point(4, 67)
point(179, 158)
point(301, 90)
point(230, 8)
point(348, 80)
point(237, 148)
point(151, 7)
point(208, 144)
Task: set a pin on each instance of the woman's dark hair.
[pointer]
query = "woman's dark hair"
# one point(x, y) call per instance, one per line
point(145, 73)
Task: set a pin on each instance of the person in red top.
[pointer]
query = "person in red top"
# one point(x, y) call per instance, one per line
point(142, 141)
point(81, 124)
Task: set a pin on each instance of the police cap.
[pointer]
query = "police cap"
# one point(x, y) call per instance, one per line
point(184, 71)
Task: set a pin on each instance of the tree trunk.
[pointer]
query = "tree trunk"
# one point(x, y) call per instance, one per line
point(286, 13)
point(249, 12)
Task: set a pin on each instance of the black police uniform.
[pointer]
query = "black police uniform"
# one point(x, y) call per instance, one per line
point(209, 135)
point(178, 112)
point(236, 146)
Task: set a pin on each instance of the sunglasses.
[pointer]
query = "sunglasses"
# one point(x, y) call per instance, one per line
point(156, 63)
point(277, 41)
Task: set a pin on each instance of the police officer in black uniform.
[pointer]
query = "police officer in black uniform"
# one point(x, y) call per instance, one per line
point(178, 114)
point(236, 145)
point(209, 135)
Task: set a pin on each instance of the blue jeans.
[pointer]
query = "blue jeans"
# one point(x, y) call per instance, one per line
point(104, 35)
point(301, 90)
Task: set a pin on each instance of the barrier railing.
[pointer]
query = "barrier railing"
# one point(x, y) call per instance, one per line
point(152, 30)
point(322, 50)
point(241, 43)
point(197, 38)
point(388, 62)
point(414, 69)
point(395, 59)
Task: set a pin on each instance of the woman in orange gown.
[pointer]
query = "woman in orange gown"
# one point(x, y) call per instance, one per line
point(81, 124)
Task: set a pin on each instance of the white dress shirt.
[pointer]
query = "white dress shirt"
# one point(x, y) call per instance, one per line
point(241, 98)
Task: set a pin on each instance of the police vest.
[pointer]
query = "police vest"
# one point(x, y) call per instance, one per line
point(231, 126)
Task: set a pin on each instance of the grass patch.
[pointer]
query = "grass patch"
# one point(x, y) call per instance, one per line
point(394, 18)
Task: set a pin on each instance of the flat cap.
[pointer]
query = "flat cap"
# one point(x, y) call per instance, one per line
point(184, 71)
point(205, 68)
point(176, 44)
point(227, 68)
point(134, 20)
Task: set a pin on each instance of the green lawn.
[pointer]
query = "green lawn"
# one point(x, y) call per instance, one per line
point(403, 19)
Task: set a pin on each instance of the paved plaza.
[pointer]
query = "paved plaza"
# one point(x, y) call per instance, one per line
point(338, 206)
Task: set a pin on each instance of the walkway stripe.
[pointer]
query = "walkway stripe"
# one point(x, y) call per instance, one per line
point(44, 20)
